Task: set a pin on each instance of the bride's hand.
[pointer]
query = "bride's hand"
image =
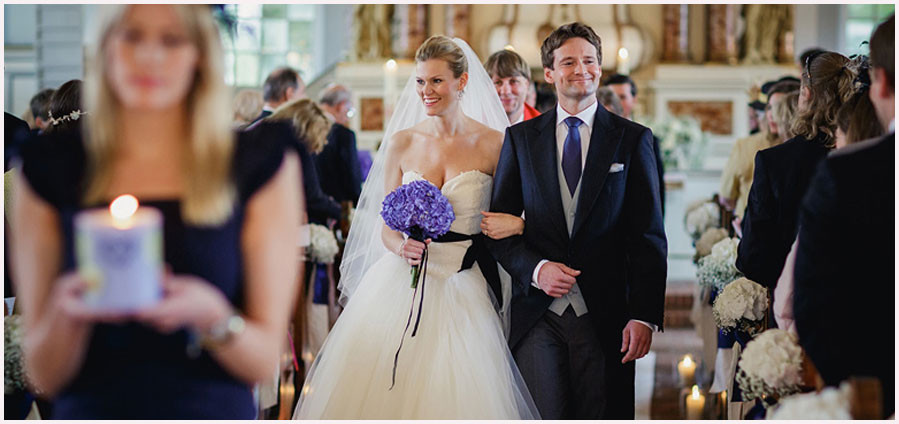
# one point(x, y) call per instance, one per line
point(497, 225)
point(412, 250)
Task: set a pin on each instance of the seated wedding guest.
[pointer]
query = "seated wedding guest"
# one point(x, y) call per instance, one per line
point(609, 100)
point(338, 163)
point(310, 127)
point(626, 89)
point(247, 105)
point(159, 129)
point(844, 303)
point(782, 173)
point(736, 179)
point(281, 86)
point(512, 79)
point(65, 109)
point(40, 105)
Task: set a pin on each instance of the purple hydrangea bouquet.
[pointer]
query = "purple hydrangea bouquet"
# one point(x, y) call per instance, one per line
point(420, 210)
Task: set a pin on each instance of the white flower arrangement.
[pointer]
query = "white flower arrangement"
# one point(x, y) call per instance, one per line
point(771, 365)
point(700, 218)
point(741, 305)
point(323, 247)
point(681, 141)
point(830, 404)
point(13, 367)
point(708, 239)
point(719, 268)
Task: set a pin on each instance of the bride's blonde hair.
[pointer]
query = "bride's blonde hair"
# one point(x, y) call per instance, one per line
point(209, 192)
point(443, 48)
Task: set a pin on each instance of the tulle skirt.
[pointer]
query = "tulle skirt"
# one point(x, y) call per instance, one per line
point(458, 366)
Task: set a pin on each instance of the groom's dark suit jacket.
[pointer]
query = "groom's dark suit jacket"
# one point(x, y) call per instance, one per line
point(618, 238)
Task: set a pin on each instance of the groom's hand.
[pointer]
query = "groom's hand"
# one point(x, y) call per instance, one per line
point(635, 340)
point(556, 279)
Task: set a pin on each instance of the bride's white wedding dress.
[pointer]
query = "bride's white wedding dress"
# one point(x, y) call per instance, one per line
point(458, 366)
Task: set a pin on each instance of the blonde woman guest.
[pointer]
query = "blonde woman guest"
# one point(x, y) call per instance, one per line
point(160, 130)
point(247, 105)
point(782, 113)
point(310, 127)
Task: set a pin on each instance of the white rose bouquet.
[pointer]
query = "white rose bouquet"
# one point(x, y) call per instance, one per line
point(323, 247)
point(830, 404)
point(701, 216)
point(708, 239)
point(719, 268)
point(13, 366)
point(771, 365)
point(741, 306)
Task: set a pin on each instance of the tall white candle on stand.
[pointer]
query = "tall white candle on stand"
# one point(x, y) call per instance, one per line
point(623, 64)
point(389, 88)
point(687, 370)
point(119, 254)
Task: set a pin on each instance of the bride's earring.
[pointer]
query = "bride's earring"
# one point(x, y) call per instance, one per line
point(460, 93)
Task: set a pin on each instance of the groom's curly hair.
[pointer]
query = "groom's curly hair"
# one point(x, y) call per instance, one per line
point(563, 34)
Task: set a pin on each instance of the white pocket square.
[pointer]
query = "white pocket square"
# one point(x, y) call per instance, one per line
point(616, 167)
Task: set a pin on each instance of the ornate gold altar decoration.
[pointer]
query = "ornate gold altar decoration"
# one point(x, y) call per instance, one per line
point(675, 18)
point(525, 26)
point(722, 33)
point(769, 33)
point(411, 29)
point(373, 24)
point(458, 21)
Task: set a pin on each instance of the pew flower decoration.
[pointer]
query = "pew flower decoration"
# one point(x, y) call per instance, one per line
point(705, 243)
point(323, 245)
point(830, 404)
point(741, 306)
point(719, 268)
point(701, 216)
point(14, 368)
point(771, 365)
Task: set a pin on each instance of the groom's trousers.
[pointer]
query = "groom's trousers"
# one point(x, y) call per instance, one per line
point(562, 363)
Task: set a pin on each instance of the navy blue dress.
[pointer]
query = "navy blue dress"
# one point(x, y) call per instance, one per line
point(131, 371)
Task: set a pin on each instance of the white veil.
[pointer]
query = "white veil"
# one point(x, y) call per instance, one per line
point(364, 246)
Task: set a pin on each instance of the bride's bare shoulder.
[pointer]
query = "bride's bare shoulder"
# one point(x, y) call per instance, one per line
point(487, 134)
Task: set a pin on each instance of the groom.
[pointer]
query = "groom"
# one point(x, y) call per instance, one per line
point(590, 268)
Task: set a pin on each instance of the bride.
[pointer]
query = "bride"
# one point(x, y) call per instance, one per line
point(458, 365)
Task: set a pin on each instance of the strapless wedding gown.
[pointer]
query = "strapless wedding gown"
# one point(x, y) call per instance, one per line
point(458, 366)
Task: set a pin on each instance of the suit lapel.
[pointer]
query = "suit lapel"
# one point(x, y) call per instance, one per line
point(604, 141)
point(541, 144)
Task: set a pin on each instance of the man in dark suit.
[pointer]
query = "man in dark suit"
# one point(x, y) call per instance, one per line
point(626, 90)
point(281, 86)
point(844, 293)
point(589, 271)
point(338, 163)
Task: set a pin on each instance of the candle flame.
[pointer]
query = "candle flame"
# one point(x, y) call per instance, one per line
point(688, 360)
point(623, 53)
point(390, 65)
point(695, 394)
point(123, 207)
point(509, 47)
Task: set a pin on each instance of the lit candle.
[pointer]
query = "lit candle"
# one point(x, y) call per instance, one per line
point(686, 368)
point(623, 64)
point(119, 255)
point(695, 404)
point(389, 87)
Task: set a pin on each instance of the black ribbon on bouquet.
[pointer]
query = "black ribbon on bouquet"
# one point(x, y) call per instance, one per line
point(476, 253)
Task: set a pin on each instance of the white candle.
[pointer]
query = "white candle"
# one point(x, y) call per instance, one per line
point(623, 64)
point(686, 368)
point(695, 404)
point(119, 254)
point(389, 87)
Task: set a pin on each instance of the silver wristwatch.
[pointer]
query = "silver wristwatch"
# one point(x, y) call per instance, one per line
point(224, 331)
